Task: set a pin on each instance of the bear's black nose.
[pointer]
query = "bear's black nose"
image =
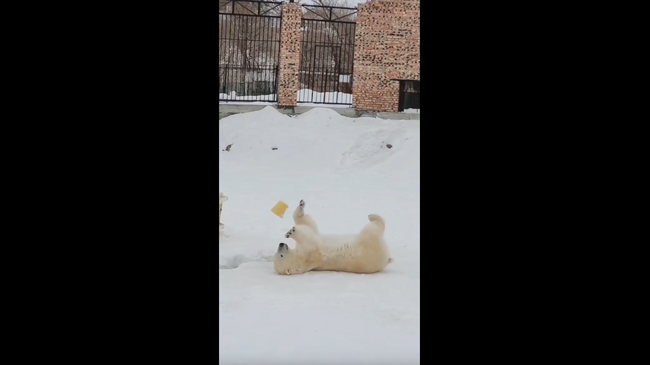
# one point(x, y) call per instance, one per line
point(282, 245)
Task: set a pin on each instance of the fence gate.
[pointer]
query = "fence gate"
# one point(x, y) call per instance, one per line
point(249, 50)
point(327, 56)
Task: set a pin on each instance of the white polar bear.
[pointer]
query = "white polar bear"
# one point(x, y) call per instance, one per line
point(365, 252)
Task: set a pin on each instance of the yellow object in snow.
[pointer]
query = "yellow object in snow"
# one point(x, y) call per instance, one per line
point(279, 209)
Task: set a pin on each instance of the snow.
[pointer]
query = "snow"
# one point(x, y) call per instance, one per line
point(248, 102)
point(233, 96)
point(334, 106)
point(309, 96)
point(344, 171)
point(306, 97)
point(411, 111)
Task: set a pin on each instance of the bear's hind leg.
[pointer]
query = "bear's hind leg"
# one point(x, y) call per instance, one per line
point(300, 211)
point(300, 218)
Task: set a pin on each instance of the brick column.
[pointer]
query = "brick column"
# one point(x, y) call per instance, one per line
point(290, 46)
point(387, 48)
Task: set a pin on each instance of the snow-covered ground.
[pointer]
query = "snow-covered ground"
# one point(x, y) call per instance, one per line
point(310, 96)
point(232, 96)
point(344, 171)
point(306, 97)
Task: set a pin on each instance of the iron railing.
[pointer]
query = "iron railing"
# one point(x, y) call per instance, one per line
point(327, 56)
point(249, 50)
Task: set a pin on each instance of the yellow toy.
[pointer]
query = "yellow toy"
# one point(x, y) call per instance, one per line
point(279, 209)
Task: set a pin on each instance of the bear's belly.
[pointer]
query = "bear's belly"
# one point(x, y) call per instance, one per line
point(359, 264)
point(342, 253)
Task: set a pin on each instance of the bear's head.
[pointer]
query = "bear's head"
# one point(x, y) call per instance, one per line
point(283, 259)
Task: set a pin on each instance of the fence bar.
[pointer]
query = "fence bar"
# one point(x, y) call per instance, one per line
point(327, 55)
point(249, 50)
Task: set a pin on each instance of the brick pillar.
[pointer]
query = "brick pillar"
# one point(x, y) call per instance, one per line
point(290, 46)
point(387, 48)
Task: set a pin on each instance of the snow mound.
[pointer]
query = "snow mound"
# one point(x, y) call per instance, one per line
point(373, 147)
point(343, 169)
point(234, 262)
point(323, 114)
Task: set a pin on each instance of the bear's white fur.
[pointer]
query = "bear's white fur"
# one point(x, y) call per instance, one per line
point(300, 218)
point(364, 252)
point(305, 257)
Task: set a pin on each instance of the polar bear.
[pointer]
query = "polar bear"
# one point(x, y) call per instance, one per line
point(364, 252)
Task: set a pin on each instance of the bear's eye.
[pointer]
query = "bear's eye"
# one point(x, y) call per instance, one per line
point(281, 255)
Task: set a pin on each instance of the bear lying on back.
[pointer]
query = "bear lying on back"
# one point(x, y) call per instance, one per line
point(364, 252)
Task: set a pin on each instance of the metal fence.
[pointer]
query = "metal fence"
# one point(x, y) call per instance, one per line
point(327, 57)
point(249, 50)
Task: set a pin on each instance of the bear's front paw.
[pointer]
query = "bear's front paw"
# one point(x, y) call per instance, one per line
point(291, 231)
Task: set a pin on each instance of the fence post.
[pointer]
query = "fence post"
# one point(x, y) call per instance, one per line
point(290, 47)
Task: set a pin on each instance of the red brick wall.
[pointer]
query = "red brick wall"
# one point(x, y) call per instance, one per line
point(290, 44)
point(387, 47)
